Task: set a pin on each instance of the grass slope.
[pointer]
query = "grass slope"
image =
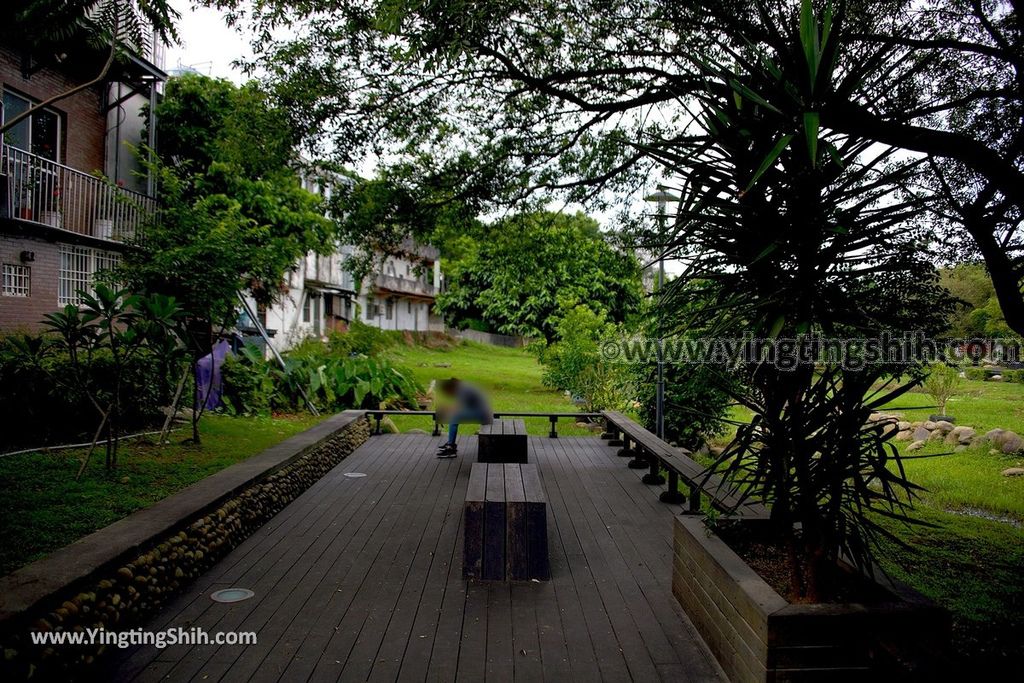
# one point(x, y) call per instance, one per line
point(511, 378)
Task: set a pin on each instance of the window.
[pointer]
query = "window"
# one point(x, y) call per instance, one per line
point(79, 267)
point(39, 134)
point(389, 309)
point(16, 280)
point(409, 307)
point(307, 308)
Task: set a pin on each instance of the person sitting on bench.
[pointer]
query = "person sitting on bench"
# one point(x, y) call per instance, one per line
point(470, 406)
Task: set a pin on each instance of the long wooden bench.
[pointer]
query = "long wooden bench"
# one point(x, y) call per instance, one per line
point(654, 453)
point(505, 530)
point(502, 441)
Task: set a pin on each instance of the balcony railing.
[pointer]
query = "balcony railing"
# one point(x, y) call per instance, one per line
point(404, 285)
point(45, 192)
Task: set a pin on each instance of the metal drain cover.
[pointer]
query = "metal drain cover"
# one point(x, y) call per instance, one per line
point(231, 595)
point(354, 475)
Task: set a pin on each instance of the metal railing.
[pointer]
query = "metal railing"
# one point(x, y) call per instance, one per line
point(404, 285)
point(378, 415)
point(47, 193)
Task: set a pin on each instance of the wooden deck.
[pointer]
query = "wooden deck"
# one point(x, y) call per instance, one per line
point(361, 579)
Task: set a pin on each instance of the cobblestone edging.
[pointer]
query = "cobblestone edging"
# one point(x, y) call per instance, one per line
point(120, 587)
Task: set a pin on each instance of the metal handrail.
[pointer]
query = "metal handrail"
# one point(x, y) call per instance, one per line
point(47, 193)
point(378, 415)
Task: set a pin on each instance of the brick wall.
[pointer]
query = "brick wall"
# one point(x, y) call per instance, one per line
point(82, 113)
point(24, 313)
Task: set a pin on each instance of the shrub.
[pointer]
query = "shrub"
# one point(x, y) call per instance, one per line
point(39, 410)
point(359, 339)
point(331, 381)
point(696, 402)
point(976, 374)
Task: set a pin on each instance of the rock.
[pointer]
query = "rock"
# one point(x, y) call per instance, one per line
point(125, 480)
point(993, 451)
point(922, 434)
point(874, 417)
point(929, 425)
point(904, 425)
point(917, 424)
point(888, 428)
point(903, 435)
point(717, 450)
point(442, 365)
point(1013, 445)
point(993, 436)
point(967, 436)
point(916, 446)
point(945, 427)
point(942, 418)
point(1013, 472)
point(936, 435)
point(961, 447)
point(996, 378)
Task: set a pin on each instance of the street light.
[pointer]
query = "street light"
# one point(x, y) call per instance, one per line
point(662, 197)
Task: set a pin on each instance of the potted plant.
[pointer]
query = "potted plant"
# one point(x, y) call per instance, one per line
point(52, 214)
point(791, 235)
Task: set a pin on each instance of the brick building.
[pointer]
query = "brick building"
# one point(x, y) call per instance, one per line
point(61, 219)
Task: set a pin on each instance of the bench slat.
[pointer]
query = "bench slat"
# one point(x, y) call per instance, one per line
point(516, 537)
point(494, 525)
point(473, 546)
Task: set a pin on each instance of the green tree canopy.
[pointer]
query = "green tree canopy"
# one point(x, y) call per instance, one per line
point(233, 214)
point(977, 314)
point(528, 268)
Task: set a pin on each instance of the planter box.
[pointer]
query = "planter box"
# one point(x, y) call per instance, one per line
point(757, 635)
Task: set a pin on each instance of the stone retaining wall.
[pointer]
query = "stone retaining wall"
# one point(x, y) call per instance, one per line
point(119, 576)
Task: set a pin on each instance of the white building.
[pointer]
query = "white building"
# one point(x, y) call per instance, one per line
point(322, 295)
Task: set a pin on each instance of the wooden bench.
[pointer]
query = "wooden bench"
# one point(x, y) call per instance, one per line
point(505, 531)
point(700, 482)
point(502, 441)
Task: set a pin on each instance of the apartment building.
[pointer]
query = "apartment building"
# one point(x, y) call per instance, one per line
point(71, 189)
point(322, 294)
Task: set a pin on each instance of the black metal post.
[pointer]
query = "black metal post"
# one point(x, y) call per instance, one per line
point(554, 421)
point(639, 462)
point(378, 416)
point(673, 494)
point(437, 426)
point(654, 477)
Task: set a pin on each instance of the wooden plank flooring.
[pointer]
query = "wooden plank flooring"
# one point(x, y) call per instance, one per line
point(361, 579)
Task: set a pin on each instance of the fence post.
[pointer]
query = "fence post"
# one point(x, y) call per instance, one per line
point(554, 421)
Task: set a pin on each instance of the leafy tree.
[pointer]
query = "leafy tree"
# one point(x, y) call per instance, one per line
point(942, 383)
point(230, 219)
point(497, 100)
point(110, 325)
point(528, 268)
point(977, 313)
point(797, 230)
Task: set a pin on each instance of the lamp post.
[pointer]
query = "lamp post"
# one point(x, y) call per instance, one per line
point(662, 197)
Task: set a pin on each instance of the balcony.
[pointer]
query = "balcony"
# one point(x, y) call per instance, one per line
point(46, 193)
point(404, 285)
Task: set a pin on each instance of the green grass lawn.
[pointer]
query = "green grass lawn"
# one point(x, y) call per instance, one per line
point(511, 378)
point(43, 508)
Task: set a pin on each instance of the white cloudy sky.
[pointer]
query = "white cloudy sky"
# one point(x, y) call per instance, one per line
point(208, 45)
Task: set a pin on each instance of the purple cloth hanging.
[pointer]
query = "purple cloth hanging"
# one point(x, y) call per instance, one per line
point(208, 375)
